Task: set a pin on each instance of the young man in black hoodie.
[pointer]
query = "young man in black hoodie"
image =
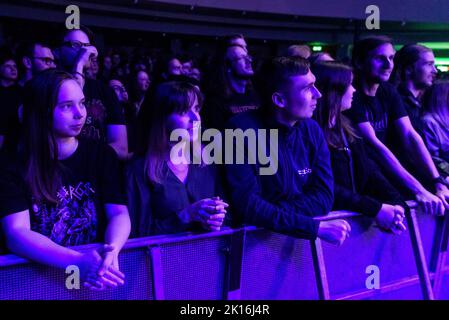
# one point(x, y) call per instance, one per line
point(287, 200)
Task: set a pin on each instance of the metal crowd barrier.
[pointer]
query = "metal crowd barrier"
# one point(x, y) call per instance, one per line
point(255, 264)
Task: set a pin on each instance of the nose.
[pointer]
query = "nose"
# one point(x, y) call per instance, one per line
point(79, 112)
point(316, 93)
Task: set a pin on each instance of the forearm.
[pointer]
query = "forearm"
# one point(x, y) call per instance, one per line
point(121, 148)
point(415, 146)
point(394, 166)
point(117, 231)
point(39, 248)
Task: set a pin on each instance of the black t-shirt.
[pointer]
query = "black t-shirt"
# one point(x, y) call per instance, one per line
point(102, 109)
point(218, 110)
point(10, 101)
point(380, 111)
point(90, 178)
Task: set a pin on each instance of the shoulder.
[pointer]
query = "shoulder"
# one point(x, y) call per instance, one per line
point(311, 128)
point(389, 90)
point(245, 120)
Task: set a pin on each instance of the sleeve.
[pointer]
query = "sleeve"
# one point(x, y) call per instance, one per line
point(13, 193)
point(346, 199)
point(139, 200)
point(114, 113)
point(318, 195)
point(113, 185)
point(396, 108)
point(247, 201)
point(431, 139)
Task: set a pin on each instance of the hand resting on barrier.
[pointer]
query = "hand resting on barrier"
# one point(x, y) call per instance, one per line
point(391, 218)
point(334, 231)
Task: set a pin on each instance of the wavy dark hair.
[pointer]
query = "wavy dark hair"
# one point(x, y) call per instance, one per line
point(167, 98)
point(43, 170)
point(333, 79)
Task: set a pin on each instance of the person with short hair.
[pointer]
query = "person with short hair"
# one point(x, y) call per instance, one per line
point(301, 184)
point(35, 57)
point(299, 50)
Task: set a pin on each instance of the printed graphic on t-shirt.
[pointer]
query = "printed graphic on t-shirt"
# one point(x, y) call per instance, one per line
point(239, 109)
point(96, 114)
point(73, 220)
point(379, 125)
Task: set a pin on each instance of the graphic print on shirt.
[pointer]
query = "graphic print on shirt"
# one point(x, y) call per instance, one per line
point(96, 114)
point(73, 220)
point(379, 124)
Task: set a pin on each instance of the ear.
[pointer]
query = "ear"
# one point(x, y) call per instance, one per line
point(27, 62)
point(278, 100)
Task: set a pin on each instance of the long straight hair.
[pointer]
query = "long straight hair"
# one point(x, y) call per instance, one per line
point(436, 101)
point(405, 58)
point(43, 170)
point(333, 79)
point(168, 98)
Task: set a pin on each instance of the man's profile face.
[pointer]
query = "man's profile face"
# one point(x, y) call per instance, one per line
point(240, 63)
point(42, 59)
point(300, 97)
point(424, 71)
point(379, 63)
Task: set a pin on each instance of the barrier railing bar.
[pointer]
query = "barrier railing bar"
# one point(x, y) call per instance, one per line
point(234, 265)
point(157, 272)
point(393, 286)
point(320, 269)
point(420, 259)
point(442, 255)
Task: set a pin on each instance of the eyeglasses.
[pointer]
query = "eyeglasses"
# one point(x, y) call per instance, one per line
point(47, 61)
point(76, 45)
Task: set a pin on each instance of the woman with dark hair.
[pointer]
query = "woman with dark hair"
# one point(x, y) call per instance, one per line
point(435, 125)
point(359, 185)
point(168, 192)
point(63, 191)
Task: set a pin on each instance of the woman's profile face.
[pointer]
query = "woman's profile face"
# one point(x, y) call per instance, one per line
point(346, 100)
point(187, 121)
point(69, 113)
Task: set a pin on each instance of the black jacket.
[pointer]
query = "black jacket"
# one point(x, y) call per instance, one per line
point(367, 189)
point(302, 187)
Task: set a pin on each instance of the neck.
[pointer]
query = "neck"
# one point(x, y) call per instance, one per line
point(66, 147)
point(417, 93)
point(6, 83)
point(281, 118)
point(238, 85)
point(369, 88)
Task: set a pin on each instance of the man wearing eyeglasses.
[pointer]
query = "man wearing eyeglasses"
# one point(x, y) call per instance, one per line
point(35, 57)
point(105, 121)
point(230, 92)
